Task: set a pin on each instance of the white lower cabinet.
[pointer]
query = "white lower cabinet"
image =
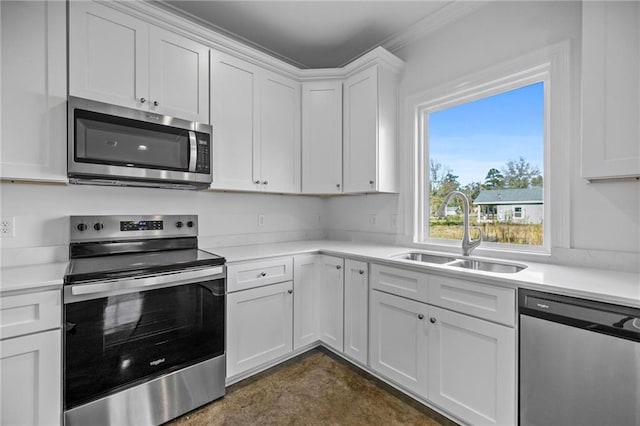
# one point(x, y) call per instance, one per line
point(356, 310)
point(331, 301)
point(472, 368)
point(305, 312)
point(31, 379)
point(399, 340)
point(259, 326)
point(462, 364)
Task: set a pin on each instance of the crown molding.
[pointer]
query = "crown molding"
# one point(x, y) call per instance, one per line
point(444, 16)
point(192, 27)
point(163, 4)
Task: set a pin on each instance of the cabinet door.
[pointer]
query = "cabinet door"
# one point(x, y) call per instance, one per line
point(610, 89)
point(356, 310)
point(235, 117)
point(398, 340)
point(331, 301)
point(361, 131)
point(322, 137)
point(472, 368)
point(31, 378)
point(34, 90)
point(279, 150)
point(108, 55)
point(178, 76)
point(305, 312)
point(259, 326)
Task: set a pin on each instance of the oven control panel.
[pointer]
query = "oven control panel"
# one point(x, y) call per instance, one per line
point(104, 228)
point(141, 225)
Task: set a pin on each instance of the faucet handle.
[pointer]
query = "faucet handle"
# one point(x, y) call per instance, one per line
point(475, 243)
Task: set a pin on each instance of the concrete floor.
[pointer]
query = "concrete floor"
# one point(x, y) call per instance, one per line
point(315, 388)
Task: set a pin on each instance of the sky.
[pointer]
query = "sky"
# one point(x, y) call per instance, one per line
point(474, 137)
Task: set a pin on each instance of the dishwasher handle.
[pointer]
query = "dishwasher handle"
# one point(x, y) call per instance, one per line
point(614, 320)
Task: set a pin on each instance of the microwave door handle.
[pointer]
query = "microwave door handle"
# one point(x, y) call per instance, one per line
point(193, 151)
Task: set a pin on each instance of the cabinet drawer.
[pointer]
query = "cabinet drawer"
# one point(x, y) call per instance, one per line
point(402, 282)
point(27, 313)
point(244, 275)
point(480, 300)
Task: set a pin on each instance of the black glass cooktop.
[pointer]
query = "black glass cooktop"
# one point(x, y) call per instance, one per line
point(132, 264)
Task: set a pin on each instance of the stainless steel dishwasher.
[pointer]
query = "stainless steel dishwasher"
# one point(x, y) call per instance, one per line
point(579, 361)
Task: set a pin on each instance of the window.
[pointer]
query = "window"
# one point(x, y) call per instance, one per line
point(492, 150)
point(545, 205)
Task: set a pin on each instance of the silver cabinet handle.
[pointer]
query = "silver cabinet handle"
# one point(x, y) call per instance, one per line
point(265, 182)
point(289, 291)
point(337, 185)
point(142, 100)
point(361, 271)
point(156, 103)
point(263, 274)
point(371, 182)
point(257, 182)
point(432, 320)
point(420, 316)
point(338, 267)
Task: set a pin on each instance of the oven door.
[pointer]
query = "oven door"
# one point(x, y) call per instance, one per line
point(114, 342)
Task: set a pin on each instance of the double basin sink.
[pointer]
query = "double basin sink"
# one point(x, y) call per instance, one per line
point(464, 263)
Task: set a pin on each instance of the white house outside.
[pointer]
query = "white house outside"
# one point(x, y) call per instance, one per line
point(523, 205)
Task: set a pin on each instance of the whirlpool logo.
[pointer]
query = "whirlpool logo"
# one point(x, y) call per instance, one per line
point(157, 362)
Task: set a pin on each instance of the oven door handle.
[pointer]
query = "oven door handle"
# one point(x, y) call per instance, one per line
point(77, 292)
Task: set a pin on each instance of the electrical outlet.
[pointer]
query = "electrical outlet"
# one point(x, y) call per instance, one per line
point(8, 227)
point(372, 219)
point(260, 220)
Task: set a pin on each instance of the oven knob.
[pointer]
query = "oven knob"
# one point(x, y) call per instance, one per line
point(98, 226)
point(82, 227)
point(179, 224)
point(190, 224)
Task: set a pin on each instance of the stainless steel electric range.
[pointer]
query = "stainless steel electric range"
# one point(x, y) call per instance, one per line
point(144, 315)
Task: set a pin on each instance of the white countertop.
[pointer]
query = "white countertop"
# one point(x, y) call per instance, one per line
point(597, 284)
point(28, 278)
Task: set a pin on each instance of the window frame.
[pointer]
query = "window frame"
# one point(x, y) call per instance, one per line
point(550, 65)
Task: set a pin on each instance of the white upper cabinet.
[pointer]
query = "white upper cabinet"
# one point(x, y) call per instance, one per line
point(179, 76)
point(610, 90)
point(235, 109)
point(322, 137)
point(279, 149)
point(34, 90)
point(370, 146)
point(255, 116)
point(118, 59)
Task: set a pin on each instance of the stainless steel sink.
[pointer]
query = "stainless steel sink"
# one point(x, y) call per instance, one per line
point(426, 258)
point(482, 265)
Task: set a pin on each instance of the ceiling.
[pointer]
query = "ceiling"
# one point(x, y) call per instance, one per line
point(309, 34)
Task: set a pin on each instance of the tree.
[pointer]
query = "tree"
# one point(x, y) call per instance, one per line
point(494, 179)
point(520, 174)
point(472, 190)
point(437, 176)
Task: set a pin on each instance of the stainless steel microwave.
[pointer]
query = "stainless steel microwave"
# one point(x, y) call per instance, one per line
point(113, 145)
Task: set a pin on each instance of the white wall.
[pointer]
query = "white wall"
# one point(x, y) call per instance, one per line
point(603, 217)
point(42, 215)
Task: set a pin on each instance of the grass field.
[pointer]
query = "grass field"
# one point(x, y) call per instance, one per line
point(498, 232)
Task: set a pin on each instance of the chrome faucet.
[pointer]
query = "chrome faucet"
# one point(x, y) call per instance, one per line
point(467, 244)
